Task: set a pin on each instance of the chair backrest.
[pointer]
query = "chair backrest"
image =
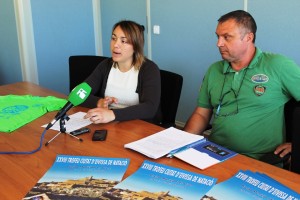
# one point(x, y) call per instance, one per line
point(81, 66)
point(171, 85)
point(292, 120)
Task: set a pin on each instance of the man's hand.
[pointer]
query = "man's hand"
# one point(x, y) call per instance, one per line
point(283, 149)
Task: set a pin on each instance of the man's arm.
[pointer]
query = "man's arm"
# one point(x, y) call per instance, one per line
point(198, 121)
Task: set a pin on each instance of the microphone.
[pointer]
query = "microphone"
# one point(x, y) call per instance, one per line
point(77, 96)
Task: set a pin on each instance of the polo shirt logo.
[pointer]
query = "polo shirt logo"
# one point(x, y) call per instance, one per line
point(260, 78)
point(259, 90)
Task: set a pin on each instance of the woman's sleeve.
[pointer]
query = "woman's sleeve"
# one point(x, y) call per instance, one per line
point(96, 81)
point(149, 89)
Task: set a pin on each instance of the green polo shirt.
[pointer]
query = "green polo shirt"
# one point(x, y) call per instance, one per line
point(250, 119)
point(18, 110)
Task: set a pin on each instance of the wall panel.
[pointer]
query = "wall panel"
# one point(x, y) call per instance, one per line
point(10, 70)
point(61, 29)
point(187, 43)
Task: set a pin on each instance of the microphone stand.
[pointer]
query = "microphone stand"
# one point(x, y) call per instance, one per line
point(63, 129)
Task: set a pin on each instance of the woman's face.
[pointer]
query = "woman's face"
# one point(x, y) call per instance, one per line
point(121, 50)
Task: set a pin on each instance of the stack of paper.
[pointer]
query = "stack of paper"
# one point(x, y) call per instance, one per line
point(191, 148)
point(163, 142)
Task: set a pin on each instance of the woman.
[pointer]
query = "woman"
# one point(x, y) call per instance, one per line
point(126, 86)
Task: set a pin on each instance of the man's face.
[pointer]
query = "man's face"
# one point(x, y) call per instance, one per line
point(232, 41)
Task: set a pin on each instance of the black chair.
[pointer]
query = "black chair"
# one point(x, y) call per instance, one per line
point(292, 120)
point(171, 85)
point(292, 127)
point(81, 66)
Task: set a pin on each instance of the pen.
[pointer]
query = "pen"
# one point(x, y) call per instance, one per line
point(173, 152)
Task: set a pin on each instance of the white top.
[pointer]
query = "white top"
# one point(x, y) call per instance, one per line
point(122, 85)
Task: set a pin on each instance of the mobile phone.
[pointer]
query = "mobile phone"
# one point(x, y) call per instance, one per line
point(80, 131)
point(99, 135)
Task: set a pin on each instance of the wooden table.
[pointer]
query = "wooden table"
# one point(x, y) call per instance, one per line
point(19, 173)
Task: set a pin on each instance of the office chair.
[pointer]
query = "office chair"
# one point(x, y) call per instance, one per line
point(292, 120)
point(81, 66)
point(292, 129)
point(171, 85)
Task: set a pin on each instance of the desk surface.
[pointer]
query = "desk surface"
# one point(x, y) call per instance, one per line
point(19, 173)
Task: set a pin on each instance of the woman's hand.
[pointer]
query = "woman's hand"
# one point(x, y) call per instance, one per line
point(100, 115)
point(104, 103)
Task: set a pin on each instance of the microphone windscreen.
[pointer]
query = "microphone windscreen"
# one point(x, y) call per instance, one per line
point(79, 94)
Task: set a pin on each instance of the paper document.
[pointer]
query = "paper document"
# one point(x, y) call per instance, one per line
point(75, 122)
point(78, 177)
point(248, 185)
point(158, 181)
point(163, 142)
point(197, 158)
point(205, 154)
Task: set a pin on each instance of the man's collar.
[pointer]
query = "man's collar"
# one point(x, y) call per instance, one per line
point(227, 67)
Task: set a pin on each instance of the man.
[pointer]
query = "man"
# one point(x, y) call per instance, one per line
point(245, 93)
